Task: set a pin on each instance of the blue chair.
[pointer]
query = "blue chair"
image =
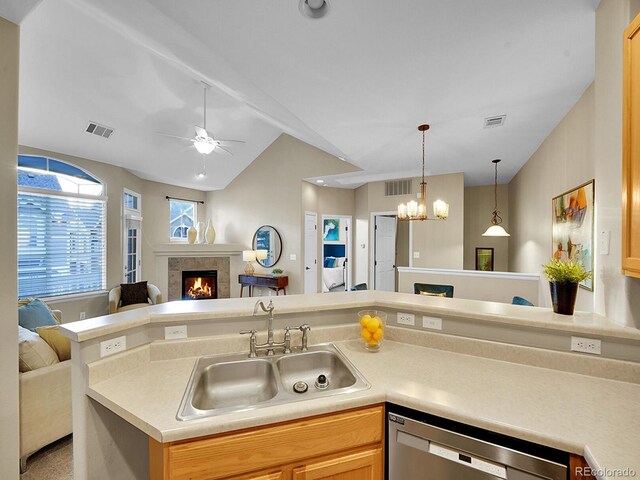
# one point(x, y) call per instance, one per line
point(521, 301)
point(433, 290)
point(360, 286)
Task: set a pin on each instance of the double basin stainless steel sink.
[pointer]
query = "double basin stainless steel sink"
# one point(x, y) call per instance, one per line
point(232, 383)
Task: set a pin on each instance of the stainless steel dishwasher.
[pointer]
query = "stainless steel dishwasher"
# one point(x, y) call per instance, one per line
point(419, 450)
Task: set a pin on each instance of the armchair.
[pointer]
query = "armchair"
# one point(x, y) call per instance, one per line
point(154, 297)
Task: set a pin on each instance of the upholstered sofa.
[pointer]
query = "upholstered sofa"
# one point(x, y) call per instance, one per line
point(45, 406)
point(153, 293)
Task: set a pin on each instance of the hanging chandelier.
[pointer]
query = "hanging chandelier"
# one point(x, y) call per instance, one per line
point(418, 211)
point(495, 230)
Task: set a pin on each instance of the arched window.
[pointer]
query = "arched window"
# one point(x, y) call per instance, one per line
point(61, 229)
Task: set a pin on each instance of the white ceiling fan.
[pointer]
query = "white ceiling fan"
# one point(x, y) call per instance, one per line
point(203, 141)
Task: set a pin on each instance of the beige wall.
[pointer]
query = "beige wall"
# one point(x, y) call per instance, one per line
point(564, 160)
point(269, 191)
point(491, 287)
point(328, 201)
point(586, 144)
point(616, 296)
point(155, 225)
point(9, 55)
point(478, 206)
point(439, 243)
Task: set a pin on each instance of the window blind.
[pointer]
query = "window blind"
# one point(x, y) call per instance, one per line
point(61, 245)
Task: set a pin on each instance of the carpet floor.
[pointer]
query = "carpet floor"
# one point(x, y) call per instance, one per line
point(54, 462)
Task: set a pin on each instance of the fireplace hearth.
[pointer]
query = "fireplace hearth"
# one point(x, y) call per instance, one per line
point(199, 284)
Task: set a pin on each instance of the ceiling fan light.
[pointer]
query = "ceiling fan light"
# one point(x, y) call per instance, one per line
point(204, 146)
point(313, 8)
point(496, 231)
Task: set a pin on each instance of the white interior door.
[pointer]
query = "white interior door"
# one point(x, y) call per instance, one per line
point(310, 252)
point(385, 253)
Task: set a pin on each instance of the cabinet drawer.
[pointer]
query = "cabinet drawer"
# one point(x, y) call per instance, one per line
point(260, 448)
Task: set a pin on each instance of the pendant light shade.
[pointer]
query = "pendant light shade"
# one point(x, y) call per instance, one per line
point(495, 230)
point(418, 211)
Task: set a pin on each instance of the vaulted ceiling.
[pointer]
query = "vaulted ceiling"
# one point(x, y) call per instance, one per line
point(355, 83)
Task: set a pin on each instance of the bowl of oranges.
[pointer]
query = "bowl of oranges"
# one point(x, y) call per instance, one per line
point(372, 325)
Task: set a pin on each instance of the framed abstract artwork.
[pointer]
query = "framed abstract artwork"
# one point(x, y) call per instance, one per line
point(484, 259)
point(331, 230)
point(572, 220)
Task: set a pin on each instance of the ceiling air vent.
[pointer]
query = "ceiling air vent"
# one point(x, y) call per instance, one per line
point(496, 121)
point(397, 187)
point(99, 130)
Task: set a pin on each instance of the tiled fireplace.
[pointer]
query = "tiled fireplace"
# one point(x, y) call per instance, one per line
point(198, 278)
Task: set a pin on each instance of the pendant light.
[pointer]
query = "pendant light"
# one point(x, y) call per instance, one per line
point(418, 211)
point(496, 230)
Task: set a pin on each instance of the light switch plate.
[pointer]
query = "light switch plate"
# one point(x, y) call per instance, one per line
point(604, 242)
point(434, 323)
point(416, 254)
point(293, 257)
point(115, 345)
point(406, 318)
point(175, 331)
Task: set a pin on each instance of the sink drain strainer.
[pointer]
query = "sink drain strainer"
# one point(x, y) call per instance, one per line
point(300, 387)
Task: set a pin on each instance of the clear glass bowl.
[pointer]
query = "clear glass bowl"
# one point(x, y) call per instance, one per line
point(371, 327)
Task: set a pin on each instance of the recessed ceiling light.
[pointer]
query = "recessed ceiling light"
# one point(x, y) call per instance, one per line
point(342, 158)
point(319, 181)
point(313, 8)
point(201, 175)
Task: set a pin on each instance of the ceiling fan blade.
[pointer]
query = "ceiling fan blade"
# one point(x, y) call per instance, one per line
point(223, 149)
point(230, 141)
point(173, 136)
point(201, 132)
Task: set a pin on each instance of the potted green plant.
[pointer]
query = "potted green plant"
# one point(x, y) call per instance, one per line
point(277, 272)
point(564, 278)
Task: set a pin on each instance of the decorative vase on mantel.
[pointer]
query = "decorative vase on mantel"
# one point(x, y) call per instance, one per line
point(192, 234)
point(210, 233)
point(201, 229)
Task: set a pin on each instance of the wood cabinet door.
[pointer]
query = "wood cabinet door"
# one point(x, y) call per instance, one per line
point(262, 476)
point(364, 465)
point(631, 151)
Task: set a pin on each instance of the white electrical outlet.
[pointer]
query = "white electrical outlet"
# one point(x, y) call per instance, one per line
point(175, 331)
point(115, 345)
point(406, 318)
point(586, 345)
point(434, 323)
point(416, 254)
point(83, 315)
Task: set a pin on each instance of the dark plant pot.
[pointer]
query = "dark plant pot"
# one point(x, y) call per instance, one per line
point(563, 297)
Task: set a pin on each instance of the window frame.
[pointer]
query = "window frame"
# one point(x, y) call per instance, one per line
point(131, 219)
point(103, 198)
point(184, 239)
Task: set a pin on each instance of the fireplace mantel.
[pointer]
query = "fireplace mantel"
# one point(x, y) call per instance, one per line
point(197, 250)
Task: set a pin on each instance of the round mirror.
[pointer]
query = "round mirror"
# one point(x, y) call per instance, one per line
point(268, 239)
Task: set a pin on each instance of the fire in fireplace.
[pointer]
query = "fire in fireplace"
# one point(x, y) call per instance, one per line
point(199, 284)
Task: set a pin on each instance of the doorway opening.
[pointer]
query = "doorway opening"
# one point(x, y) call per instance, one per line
point(336, 253)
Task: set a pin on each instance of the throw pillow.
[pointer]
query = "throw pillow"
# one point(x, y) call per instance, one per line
point(33, 351)
point(58, 342)
point(132, 293)
point(431, 294)
point(35, 314)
